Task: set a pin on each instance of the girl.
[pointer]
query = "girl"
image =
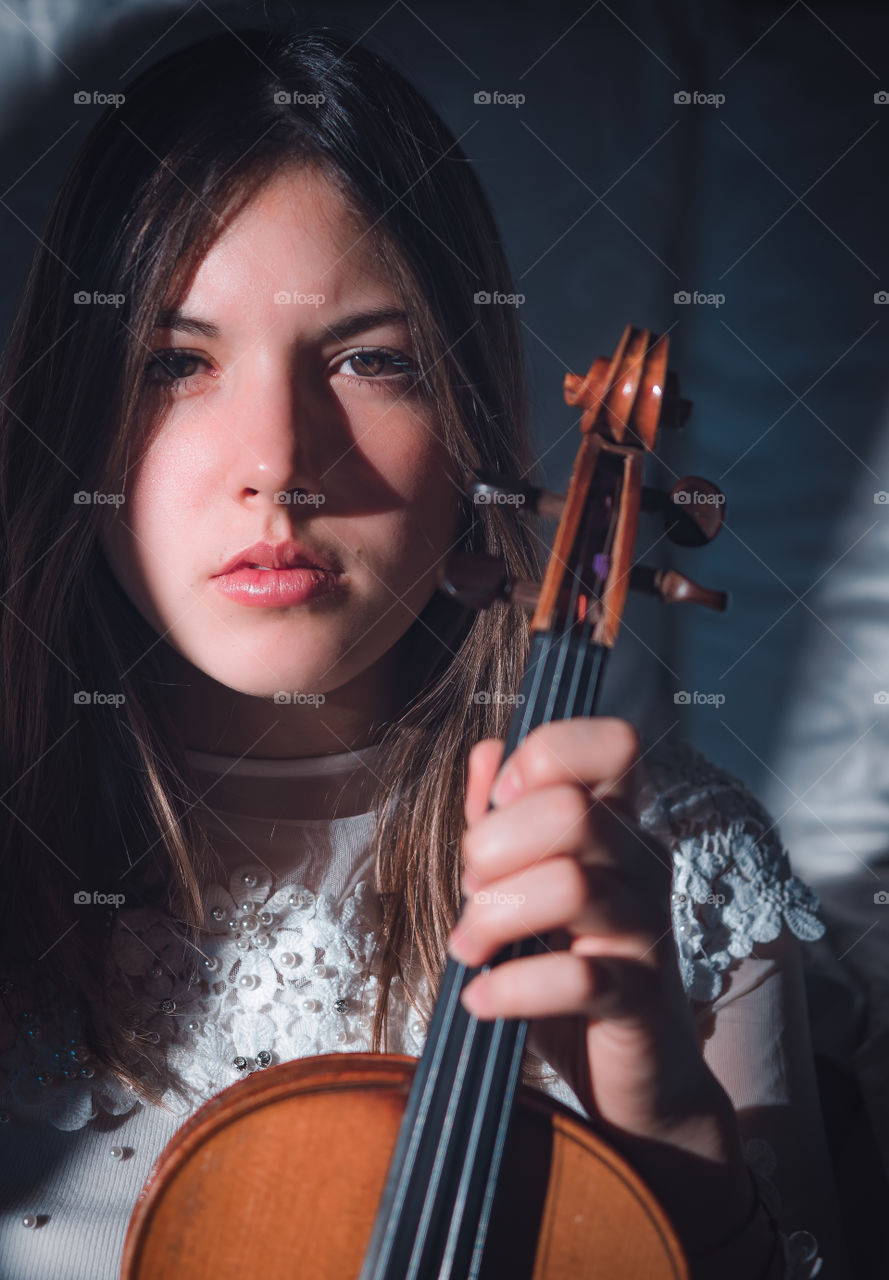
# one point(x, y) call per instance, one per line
point(238, 715)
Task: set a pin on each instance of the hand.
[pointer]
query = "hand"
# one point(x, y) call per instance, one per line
point(562, 856)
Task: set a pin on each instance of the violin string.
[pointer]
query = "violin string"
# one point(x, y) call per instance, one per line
point(447, 1133)
point(483, 1105)
point(481, 1118)
point(525, 724)
point(438, 1047)
point(468, 1169)
point(453, 983)
point(441, 1152)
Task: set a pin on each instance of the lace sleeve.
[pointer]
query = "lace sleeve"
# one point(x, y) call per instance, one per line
point(739, 914)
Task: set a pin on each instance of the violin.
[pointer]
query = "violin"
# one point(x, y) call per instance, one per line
point(448, 1166)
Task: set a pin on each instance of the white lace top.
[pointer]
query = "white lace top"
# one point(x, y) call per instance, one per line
point(285, 973)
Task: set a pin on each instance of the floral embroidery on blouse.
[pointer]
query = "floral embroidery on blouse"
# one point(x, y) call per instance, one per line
point(732, 882)
point(283, 973)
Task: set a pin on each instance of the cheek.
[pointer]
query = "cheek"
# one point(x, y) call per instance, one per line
point(415, 463)
point(147, 543)
point(411, 540)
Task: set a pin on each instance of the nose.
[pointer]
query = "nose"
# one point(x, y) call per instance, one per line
point(276, 431)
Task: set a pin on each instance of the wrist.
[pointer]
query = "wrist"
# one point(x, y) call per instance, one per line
point(693, 1163)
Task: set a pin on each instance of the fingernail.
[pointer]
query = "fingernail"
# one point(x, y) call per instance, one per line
point(455, 943)
point(506, 785)
point(473, 996)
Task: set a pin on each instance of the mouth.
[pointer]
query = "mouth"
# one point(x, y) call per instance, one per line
point(277, 576)
point(263, 557)
point(277, 588)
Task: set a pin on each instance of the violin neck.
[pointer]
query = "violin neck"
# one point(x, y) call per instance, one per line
point(437, 1204)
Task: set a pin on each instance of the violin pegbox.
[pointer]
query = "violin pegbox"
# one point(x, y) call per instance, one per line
point(623, 400)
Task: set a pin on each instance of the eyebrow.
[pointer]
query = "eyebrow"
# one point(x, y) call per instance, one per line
point(346, 327)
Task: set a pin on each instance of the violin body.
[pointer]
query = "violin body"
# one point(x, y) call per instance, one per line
point(282, 1175)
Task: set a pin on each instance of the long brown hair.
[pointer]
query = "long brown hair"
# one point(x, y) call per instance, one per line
point(91, 793)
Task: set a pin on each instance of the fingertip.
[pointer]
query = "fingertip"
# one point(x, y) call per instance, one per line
point(483, 763)
point(472, 997)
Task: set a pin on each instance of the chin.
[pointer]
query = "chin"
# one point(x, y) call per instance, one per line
point(262, 682)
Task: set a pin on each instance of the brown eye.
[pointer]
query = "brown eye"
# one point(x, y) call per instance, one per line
point(168, 367)
point(378, 365)
point(371, 362)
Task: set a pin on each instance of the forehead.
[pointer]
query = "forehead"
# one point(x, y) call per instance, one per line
point(297, 233)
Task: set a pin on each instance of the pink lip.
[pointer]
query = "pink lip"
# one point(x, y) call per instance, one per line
point(284, 555)
point(276, 587)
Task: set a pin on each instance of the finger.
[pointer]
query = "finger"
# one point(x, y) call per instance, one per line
point(563, 820)
point(545, 986)
point(558, 894)
point(599, 753)
point(484, 761)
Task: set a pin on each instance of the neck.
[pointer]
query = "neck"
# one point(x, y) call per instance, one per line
point(211, 717)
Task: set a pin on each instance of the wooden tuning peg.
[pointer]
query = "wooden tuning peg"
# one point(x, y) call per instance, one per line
point(488, 489)
point(675, 588)
point(693, 510)
point(477, 580)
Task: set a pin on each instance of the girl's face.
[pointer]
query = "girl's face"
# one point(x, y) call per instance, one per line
point(280, 385)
